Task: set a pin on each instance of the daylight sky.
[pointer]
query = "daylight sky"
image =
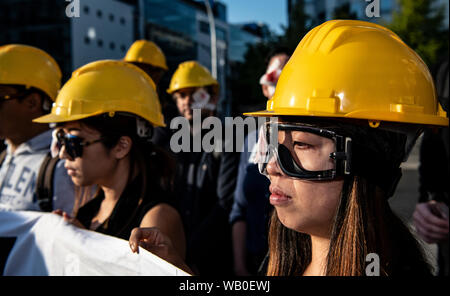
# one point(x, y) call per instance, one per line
point(271, 12)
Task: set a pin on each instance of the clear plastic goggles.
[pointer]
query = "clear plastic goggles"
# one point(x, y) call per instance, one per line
point(303, 151)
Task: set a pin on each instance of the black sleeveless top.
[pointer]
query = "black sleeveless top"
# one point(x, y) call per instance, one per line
point(128, 212)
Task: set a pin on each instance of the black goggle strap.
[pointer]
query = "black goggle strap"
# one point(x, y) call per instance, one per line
point(343, 155)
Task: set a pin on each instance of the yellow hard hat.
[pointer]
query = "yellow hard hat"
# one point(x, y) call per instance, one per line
point(356, 69)
point(29, 66)
point(191, 74)
point(106, 87)
point(147, 52)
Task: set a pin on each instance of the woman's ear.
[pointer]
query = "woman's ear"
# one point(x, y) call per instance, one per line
point(122, 147)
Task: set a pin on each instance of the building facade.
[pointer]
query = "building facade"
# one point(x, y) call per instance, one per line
point(181, 29)
point(74, 33)
point(104, 30)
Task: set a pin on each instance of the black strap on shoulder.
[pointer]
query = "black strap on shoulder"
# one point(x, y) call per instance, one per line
point(2, 157)
point(44, 183)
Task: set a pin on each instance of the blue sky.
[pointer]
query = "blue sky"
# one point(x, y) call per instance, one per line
point(271, 12)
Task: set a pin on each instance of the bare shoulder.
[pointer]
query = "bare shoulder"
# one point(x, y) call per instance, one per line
point(161, 213)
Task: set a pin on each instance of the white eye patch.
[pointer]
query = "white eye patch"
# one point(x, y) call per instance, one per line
point(272, 74)
point(201, 100)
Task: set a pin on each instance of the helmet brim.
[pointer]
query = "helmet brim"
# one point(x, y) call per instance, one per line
point(363, 115)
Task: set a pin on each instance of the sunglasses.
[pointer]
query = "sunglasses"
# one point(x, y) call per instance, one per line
point(73, 144)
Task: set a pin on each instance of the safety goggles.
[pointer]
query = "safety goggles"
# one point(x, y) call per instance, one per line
point(73, 144)
point(302, 151)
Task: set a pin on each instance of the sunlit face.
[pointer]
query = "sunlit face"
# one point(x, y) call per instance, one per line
point(96, 164)
point(301, 205)
point(190, 98)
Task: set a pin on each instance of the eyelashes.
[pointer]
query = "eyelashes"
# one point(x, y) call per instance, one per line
point(302, 145)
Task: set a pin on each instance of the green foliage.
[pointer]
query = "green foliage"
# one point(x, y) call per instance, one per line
point(244, 80)
point(245, 77)
point(420, 25)
point(300, 24)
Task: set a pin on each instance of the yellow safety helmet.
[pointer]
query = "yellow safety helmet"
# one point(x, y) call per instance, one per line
point(31, 67)
point(147, 52)
point(356, 69)
point(191, 74)
point(106, 87)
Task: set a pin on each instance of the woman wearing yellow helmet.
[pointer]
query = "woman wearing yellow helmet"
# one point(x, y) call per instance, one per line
point(105, 115)
point(347, 109)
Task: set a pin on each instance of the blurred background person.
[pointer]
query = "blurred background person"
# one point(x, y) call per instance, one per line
point(205, 181)
point(30, 179)
point(431, 213)
point(150, 58)
point(251, 207)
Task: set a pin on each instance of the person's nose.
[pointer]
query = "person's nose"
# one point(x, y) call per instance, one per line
point(273, 168)
point(63, 153)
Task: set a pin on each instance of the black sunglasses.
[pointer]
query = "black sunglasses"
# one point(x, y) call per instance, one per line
point(73, 144)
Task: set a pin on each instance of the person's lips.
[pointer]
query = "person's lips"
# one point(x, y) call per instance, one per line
point(70, 171)
point(278, 197)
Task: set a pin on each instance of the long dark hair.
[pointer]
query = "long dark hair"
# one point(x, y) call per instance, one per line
point(364, 223)
point(154, 165)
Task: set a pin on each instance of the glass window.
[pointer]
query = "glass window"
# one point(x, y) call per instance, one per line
point(204, 27)
point(178, 16)
point(221, 34)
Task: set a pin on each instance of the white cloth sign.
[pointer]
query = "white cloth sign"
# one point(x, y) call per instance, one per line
point(47, 245)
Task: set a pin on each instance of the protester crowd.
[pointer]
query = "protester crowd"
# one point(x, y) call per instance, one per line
point(308, 193)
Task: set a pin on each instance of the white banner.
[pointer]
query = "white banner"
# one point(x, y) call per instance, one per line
point(47, 245)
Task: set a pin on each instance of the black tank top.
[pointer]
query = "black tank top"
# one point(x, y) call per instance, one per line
point(128, 212)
